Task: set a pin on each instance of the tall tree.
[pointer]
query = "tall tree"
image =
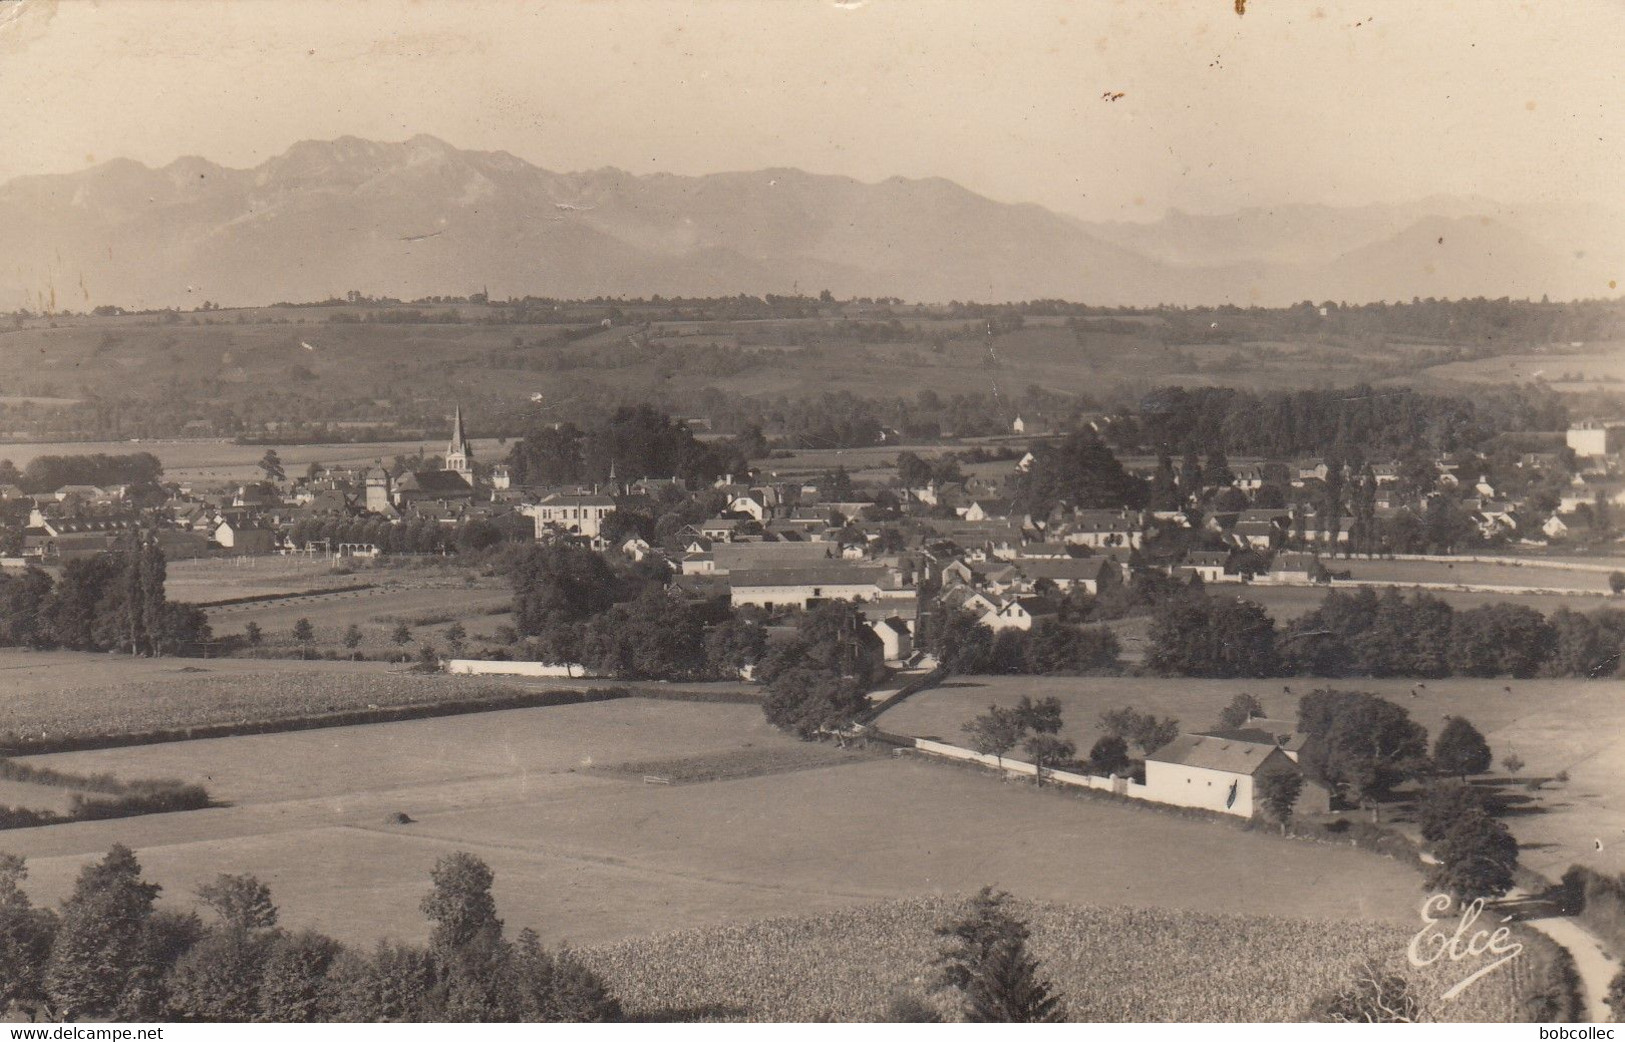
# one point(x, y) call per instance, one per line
point(1478, 857)
point(460, 903)
point(987, 962)
point(1278, 790)
point(100, 960)
point(1460, 749)
point(271, 465)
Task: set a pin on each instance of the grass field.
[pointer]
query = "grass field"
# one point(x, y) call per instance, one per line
point(588, 852)
point(1289, 602)
point(206, 579)
point(1108, 964)
point(1599, 365)
point(1470, 573)
point(1553, 725)
point(224, 462)
point(428, 611)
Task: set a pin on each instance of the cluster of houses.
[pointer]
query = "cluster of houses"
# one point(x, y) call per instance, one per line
point(781, 543)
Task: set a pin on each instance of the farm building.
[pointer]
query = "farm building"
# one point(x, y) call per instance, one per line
point(1200, 770)
point(1091, 573)
point(803, 587)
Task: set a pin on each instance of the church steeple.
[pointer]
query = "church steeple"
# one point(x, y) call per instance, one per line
point(459, 456)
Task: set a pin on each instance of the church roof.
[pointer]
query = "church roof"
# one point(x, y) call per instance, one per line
point(435, 482)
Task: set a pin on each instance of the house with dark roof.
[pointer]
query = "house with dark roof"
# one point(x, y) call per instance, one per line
point(246, 535)
point(444, 486)
point(1089, 573)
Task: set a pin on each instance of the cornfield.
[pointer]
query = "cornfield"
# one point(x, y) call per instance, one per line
point(1110, 964)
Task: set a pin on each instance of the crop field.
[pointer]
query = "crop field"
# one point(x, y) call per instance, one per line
point(1108, 964)
point(585, 850)
point(64, 694)
point(1553, 725)
point(225, 462)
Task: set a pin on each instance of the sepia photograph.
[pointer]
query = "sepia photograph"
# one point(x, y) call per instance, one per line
point(653, 512)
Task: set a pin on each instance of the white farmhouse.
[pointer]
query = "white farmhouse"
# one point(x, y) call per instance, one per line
point(1217, 774)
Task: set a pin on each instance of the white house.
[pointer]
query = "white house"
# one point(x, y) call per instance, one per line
point(575, 514)
point(1102, 528)
point(1218, 774)
point(1209, 564)
point(896, 638)
point(1021, 614)
point(247, 536)
point(750, 506)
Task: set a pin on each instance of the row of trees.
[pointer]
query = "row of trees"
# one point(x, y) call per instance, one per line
point(113, 601)
point(1363, 633)
point(49, 473)
point(109, 953)
point(964, 645)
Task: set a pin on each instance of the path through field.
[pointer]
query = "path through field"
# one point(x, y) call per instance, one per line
point(1596, 968)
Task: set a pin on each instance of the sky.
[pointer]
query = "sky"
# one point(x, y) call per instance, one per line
point(1105, 109)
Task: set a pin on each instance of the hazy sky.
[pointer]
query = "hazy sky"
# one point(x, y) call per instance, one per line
point(1297, 101)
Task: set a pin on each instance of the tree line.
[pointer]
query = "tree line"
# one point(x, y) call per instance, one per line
point(110, 954)
point(1363, 633)
point(49, 473)
point(113, 601)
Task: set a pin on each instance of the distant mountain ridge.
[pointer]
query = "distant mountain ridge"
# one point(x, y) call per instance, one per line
point(420, 217)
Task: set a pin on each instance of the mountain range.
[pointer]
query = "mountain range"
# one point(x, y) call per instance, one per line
point(420, 218)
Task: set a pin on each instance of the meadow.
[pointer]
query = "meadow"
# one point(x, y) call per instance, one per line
point(586, 851)
point(1288, 602)
point(1572, 726)
point(428, 611)
point(1108, 964)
